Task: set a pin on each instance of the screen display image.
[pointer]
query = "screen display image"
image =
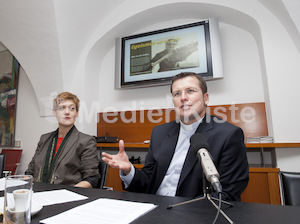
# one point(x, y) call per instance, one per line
point(153, 58)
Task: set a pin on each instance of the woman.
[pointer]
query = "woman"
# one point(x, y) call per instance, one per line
point(66, 156)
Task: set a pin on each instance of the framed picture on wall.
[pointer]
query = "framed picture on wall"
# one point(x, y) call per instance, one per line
point(9, 76)
point(153, 58)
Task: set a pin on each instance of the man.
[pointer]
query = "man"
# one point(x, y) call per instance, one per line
point(66, 156)
point(170, 167)
point(166, 59)
point(170, 58)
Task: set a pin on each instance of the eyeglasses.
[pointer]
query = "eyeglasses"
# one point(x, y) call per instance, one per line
point(188, 91)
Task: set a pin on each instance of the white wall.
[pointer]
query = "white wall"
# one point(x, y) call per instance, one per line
point(260, 61)
point(241, 73)
point(29, 124)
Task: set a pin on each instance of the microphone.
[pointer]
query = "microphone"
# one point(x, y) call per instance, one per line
point(200, 147)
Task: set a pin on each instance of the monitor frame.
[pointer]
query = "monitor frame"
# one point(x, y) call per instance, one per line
point(131, 50)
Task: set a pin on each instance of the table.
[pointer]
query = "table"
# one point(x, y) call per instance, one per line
point(197, 212)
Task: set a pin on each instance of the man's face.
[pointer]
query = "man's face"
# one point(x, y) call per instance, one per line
point(188, 99)
point(171, 46)
point(66, 113)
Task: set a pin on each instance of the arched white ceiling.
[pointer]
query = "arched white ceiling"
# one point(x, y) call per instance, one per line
point(28, 30)
point(157, 17)
point(66, 38)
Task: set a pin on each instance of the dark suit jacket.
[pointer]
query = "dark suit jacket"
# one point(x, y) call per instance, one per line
point(227, 148)
point(78, 161)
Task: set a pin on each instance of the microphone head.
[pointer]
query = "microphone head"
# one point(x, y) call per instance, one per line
point(198, 141)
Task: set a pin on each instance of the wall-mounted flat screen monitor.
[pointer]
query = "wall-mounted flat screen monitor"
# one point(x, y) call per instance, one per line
point(153, 58)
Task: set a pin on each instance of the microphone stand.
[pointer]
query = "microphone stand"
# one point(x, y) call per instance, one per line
point(207, 189)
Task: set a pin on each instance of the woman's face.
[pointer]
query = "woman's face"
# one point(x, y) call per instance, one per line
point(66, 113)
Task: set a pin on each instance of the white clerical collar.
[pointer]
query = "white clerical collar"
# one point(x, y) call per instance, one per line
point(190, 127)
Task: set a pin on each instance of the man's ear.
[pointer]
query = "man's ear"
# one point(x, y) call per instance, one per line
point(206, 98)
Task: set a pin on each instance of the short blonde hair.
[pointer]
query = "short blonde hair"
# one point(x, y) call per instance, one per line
point(65, 96)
